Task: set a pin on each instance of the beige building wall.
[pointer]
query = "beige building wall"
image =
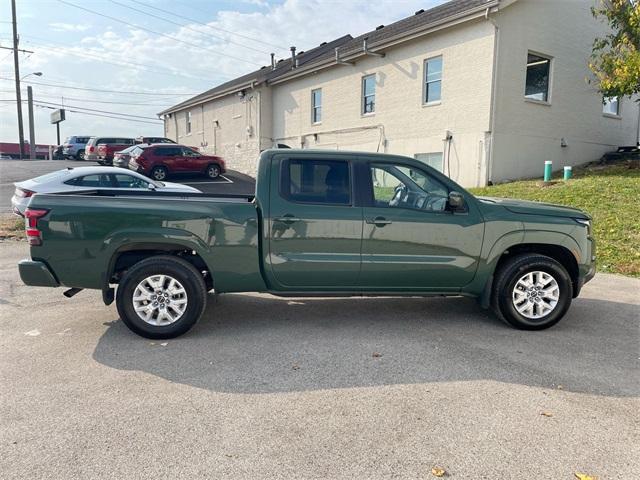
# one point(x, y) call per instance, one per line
point(401, 123)
point(232, 127)
point(528, 133)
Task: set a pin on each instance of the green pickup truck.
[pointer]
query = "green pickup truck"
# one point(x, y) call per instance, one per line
point(321, 223)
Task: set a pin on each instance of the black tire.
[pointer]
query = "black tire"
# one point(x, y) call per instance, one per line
point(180, 270)
point(80, 155)
point(505, 282)
point(212, 171)
point(159, 173)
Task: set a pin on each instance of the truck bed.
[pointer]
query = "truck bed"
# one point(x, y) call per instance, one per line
point(104, 225)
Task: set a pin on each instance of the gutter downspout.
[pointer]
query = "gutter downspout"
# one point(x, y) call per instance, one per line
point(494, 88)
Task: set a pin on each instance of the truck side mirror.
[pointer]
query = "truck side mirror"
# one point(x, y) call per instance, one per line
point(456, 201)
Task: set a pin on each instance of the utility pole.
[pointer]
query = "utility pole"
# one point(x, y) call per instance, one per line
point(16, 73)
point(32, 127)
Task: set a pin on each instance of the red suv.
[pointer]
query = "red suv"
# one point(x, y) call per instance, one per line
point(162, 159)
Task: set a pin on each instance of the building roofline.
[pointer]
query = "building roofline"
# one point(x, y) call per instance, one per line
point(353, 51)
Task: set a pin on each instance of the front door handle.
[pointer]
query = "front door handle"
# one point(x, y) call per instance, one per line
point(288, 219)
point(378, 221)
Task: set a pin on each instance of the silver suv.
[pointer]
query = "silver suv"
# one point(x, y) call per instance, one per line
point(73, 147)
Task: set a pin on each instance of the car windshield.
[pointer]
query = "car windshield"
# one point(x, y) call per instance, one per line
point(52, 176)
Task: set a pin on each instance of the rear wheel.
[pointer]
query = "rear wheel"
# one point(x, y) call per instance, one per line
point(159, 173)
point(80, 155)
point(213, 171)
point(532, 292)
point(161, 297)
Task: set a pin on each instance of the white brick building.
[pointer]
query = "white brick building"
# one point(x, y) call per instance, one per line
point(484, 90)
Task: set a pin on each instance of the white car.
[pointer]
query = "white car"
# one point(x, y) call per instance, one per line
point(88, 178)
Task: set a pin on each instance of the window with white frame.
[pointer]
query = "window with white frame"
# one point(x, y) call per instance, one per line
point(316, 105)
point(433, 159)
point(368, 94)
point(538, 74)
point(188, 123)
point(433, 79)
point(611, 105)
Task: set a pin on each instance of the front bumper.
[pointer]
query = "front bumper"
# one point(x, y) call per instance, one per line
point(36, 274)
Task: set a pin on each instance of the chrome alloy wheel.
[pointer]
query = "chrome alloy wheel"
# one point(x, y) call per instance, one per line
point(536, 295)
point(160, 300)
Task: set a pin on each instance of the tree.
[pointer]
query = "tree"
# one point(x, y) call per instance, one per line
point(615, 58)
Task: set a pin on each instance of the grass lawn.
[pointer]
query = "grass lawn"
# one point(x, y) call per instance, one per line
point(611, 195)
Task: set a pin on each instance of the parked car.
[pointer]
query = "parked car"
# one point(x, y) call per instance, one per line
point(84, 178)
point(161, 160)
point(121, 158)
point(91, 149)
point(106, 150)
point(150, 140)
point(74, 146)
point(320, 223)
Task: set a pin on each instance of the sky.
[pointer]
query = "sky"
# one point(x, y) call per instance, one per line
point(130, 59)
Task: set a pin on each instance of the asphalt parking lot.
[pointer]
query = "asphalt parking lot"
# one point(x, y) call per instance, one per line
point(265, 387)
point(18, 170)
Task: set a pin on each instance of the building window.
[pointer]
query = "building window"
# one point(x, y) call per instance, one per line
point(611, 106)
point(316, 105)
point(188, 122)
point(537, 83)
point(368, 94)
point(432, 79)
point(433, 159)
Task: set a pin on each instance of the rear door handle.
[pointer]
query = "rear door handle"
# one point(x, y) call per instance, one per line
point(288, 219)
point(378, 221)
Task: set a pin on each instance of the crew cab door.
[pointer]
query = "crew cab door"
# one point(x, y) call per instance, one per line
point(315, 227)
point(411, 239)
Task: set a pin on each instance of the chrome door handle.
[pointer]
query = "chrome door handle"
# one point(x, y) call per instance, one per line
point(288, 219)
point(378, 221)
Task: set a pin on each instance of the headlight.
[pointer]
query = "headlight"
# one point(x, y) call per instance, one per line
point(586, 223)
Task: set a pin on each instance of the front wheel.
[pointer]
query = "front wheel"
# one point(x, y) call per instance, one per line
point(159, 173)
point(161, 297)
point(532, 292)
point(213, 171)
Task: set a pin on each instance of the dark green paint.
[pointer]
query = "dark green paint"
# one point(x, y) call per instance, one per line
point(329, 248)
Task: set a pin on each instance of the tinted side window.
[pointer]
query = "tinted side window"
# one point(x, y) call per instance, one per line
point(168, 151)
point(92, 181)
point(129, 181)
point(316, 181)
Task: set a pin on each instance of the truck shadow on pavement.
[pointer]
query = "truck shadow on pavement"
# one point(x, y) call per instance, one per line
point(263, 344)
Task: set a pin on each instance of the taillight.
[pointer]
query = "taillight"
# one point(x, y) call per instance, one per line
point(23, 192)
point(34, 236)
point(91, 148)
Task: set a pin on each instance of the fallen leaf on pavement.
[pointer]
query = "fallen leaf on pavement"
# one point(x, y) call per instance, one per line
point(295, 367)
point(546, 414)
point(33, 333)
point(584, 476)
point(438, 472)
point(376, 355)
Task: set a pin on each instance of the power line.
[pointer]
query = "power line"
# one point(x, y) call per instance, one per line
point(119, 63)
point(187, 27)
point(194, 45)
point(31, 82)
point(95, 110)
point(106, 114)
point(209, 26)
point(90, 100)
point(99, 115)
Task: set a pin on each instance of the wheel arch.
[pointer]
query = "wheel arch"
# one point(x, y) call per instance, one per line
point(561, 253)
point(128, 255)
